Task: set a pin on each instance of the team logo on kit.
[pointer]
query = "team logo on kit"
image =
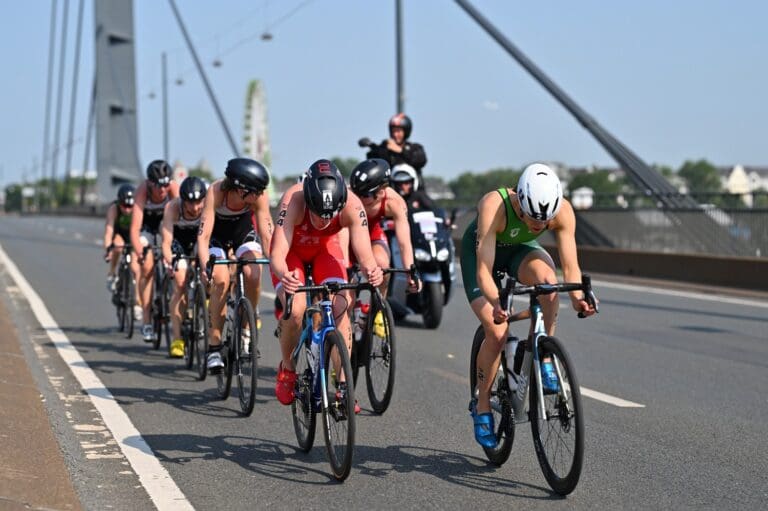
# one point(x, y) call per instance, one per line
point(327, 199)
point(514, 232)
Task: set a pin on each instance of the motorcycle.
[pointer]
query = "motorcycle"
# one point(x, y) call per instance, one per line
point(434, 255)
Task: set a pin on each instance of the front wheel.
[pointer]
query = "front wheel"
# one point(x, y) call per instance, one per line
point(380, 367)
point(558, 435)
point(200, 332)
point(245, 350)
point(501, 405)
point(129, 300)
point(433, 304)
point(339, 414)
point(224, 376)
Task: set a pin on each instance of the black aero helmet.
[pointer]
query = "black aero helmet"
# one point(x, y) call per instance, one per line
point(192, 189)
point(159, 172)
point(401, 121)
point(369, 175)
point(126, 194)
point(325, 192)
point(247, 174)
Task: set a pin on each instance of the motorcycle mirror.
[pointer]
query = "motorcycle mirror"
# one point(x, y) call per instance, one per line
point(365, 142)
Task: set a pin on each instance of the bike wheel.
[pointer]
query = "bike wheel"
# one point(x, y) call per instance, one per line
point(380, 366)
point(189, 341)
point(224, 377)
point(200, 332)
point(157, 306)
point(167, 329)
point(302, 408)
point(130, 302)
point(120, 305)
point(339, 415)
point(559, 435)
point(245, 360)
point(501, 405)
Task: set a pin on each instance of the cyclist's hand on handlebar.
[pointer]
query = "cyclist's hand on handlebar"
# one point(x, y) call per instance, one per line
point(290, 282)
point(375, 276)
point(500, 315)
point(583, 307)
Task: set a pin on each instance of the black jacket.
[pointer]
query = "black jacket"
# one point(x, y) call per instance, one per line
point(413, 154)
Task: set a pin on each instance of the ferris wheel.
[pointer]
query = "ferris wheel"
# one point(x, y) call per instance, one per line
point(256, 136)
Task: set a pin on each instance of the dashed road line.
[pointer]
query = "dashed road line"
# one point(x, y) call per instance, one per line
point(153, 476)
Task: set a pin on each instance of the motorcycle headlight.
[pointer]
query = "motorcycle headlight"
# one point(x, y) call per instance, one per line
point(422, 255)
point(442, 254)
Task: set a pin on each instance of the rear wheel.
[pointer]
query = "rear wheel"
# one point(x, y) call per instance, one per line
point(302, 408)
point(558, 435)
point(501, 405)
point(380, 366)
point(246, 362)
point(130, 302)
point(339, 415)
point(200, 332)
point(433, 304)
point(166, 312)
point(157, 305)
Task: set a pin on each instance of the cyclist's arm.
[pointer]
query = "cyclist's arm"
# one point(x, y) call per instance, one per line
point(353, 216)
point(207, 219)
point(398, 211)
point(109, 226)
point(487, 227)
point(264, 223)
point(565, 236)
point(170, 216)
point(290, 210)
point(137, 217)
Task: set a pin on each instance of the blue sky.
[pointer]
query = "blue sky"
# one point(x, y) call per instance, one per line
point(672, 80)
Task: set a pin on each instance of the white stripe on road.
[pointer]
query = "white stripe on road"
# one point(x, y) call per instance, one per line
point(600, 396)
point(712, 297)
point(611, 400)
point(153, 476)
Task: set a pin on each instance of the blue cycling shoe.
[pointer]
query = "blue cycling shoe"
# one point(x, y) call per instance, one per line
point(484, 428)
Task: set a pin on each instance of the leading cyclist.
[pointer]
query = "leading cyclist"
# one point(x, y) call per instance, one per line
point(503, 239)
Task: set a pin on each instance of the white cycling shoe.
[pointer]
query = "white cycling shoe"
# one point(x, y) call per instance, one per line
point(148, 333)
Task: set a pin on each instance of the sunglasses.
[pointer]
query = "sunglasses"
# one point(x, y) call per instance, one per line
point(373, 193)
point(244, 192)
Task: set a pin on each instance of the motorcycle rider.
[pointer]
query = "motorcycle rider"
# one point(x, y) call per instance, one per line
point(405, 182)
point(397, 149)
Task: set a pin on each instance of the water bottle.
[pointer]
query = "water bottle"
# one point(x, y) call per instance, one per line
point(360, 318)
point(510, 350)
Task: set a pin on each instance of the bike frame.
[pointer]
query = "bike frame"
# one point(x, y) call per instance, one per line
point(310, 336)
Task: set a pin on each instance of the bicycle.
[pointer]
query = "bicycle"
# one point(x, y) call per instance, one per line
point(375, 350)
point(553, 413)
point(161, 297)
point(124, 292)
point(194, 318)
point(239, 339)
point(319, 388)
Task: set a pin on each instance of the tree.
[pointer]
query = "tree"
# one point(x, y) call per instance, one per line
point(345, 165)
point(469, 187)
point(701, 176)
point(13, 198)
point(202, 173)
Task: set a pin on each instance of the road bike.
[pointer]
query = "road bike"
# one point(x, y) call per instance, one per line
point(162, 288)
point(518, 394)
point(194, 317)
point(239, 339)
point(124, 291)
point(376, 348)
point(320, 387)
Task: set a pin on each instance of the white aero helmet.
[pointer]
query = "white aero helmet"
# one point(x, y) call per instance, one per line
point(403, 172)
point(539, 192)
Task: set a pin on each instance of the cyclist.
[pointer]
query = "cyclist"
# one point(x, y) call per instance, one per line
point(307, 233)
point(397, 149)
point(117, 234)
point(370, 182)
point(181, 223)
point(405, 182)
point(503, 239)
point(151, 197)
point(232, 205)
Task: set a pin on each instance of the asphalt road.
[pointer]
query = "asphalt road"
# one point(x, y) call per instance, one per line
point(697, 363)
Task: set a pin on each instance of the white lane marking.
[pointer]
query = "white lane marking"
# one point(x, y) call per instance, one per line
point(600, 396)
point(684, 294)
point(153, 476)
point(611, 400)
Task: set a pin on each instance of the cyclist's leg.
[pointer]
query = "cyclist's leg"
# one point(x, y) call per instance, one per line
point(118, 243)
point(289, 331)
point(536, 267)
point(146, 276)
point(251, 249)
point(329, 266)
point(381, 254)
point(217, 295)
point(177, 300)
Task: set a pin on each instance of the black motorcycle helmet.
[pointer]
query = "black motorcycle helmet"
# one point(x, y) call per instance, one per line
point(126, 195)
point(368, 176)
point(247, 174)
point(192, 189)
point(401, 121)
point(325, 192)
point(159, 172)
